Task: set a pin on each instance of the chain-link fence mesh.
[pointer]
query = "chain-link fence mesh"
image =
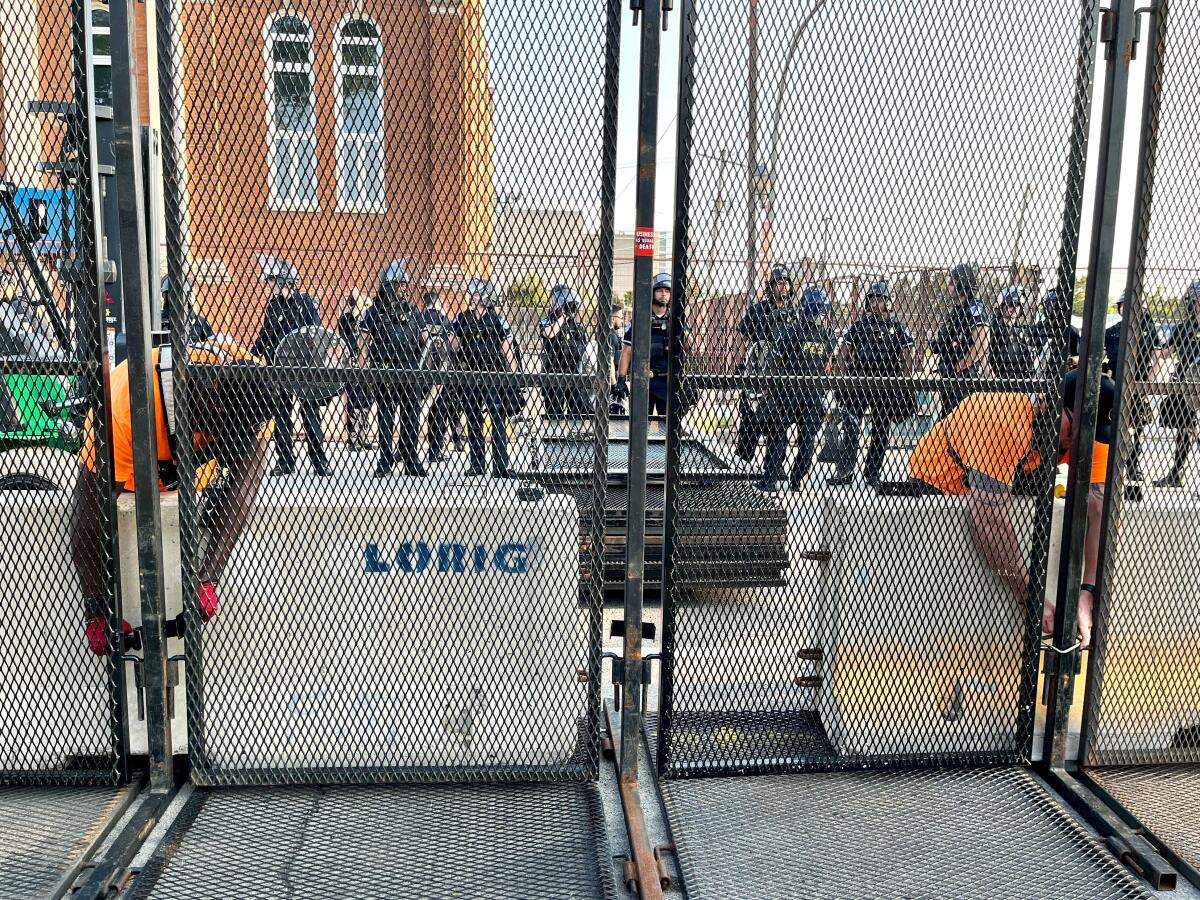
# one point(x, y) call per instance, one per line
point(878, 214)
point(1144, 689)
point(390, 261)
point(61, 720)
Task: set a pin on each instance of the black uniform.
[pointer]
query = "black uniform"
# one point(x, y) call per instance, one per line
point(356, 398)
point(563, 354)
point(1011, 351)
point(759, 325)
point(1138, 412)
point(877, 349)
point(283, 315)
point(446, 408)
point(483, 337)
point(952, 343)
point(394, 326)
point(1176, 410)
point(660, 348)
point(615, 344)
point(802, 347)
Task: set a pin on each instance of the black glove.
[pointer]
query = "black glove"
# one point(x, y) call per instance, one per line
point(620, 390)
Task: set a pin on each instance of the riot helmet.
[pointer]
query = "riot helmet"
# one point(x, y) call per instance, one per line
point(815, 302)
point(779, 275)
point(1012, 297)
point(881, 291)
point(485, 290)
point(965, 279)
point(564, 298)
point(279, 272)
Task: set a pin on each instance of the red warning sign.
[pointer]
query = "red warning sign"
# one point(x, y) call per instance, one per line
point(643, 242)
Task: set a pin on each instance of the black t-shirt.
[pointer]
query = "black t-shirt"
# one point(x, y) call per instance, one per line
point(954, 339)
point(482, 338)
point(761, 321)
point(563, 352)
point(395, 330)
point(1148, 342)
point(877, 347)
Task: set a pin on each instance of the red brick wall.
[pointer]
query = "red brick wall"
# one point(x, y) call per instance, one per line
point(437, 181)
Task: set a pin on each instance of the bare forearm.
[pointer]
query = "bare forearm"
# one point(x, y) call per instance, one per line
point(992, 531)
point(1091, 544)
point(244, 480)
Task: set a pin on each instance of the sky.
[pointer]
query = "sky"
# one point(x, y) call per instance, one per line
point(916, 133)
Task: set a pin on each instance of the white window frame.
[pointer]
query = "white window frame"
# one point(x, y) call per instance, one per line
point(349, 199)
point(295, 139)
point(103, 60)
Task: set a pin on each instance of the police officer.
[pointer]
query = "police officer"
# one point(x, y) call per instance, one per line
point(758, 327)
point(564, 343)
point(1177, 411)
point(1137, 407)
point(484, 341)
point(961, 344)
point(391, 331)
point(199, 328)
point(446, 408)
point(803, 346)
point(287, 310)
point(878, 346)
point(1009, 350)
point(660, 348)
point(1045, 334)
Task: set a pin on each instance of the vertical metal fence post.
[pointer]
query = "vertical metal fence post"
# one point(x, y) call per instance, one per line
point(600, 423)
point(680, 263)
point(639, 394)
point(143, 415)
point(1127, 359)
point(1118, 36)
point(90, 332)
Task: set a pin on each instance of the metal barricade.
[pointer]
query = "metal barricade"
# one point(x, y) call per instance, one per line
point(1140, 738)
point(63, 720)
point(380, 218)
point(884, 262)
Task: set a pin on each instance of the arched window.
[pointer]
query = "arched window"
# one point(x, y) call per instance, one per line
point(359, 116)
point(291, 130)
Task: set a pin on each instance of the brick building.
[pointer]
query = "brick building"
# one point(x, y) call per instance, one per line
point(338, 134)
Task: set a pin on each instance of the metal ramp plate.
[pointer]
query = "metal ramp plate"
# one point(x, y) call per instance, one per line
point(1165, 799)
point(987, 833)
point(44, 833)
point(418, 841)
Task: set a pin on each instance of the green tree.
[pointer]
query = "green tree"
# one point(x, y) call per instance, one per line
point(1080, 290)
point(528, 292)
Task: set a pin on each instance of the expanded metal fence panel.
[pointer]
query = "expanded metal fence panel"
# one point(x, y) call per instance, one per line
point(390, 263)
point(44, 833)
point(405, 842)
point(1164, 799)
point(874, 268)
point(59, 674)
point(1144, 689)
point(988, 834)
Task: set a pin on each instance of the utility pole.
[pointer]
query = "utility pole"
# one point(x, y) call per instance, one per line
point(718, 211)
point(825, 246)
point(752, 159)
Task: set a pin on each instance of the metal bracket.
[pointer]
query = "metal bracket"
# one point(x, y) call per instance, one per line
point(1053, 660)
point(139, 687)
